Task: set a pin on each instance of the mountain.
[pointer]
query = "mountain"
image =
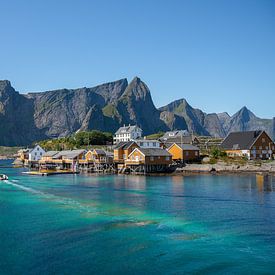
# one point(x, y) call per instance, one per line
point(220, 124)
point(17, 123)
point(25, 118)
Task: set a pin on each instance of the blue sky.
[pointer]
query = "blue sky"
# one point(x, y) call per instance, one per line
point(219, 55)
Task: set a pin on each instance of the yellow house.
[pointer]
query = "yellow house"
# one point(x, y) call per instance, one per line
point(184, 152)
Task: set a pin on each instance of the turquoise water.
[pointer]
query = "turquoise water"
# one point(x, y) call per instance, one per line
point(77, 224)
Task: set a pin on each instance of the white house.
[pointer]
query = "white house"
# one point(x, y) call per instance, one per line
point(36, 153)
point(127, 133)
point(147, 143)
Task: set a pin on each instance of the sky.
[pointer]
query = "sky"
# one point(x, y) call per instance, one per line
point(219, 55)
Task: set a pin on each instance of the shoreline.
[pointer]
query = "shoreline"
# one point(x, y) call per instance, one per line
point(222, 168)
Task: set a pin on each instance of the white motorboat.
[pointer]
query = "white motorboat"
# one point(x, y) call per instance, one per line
point(3, 177)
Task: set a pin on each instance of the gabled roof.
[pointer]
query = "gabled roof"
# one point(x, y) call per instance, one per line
point(50, 153)
point(240, 140)
point(69, 154)
point(127, 129)
point(37, 145)
point(100, 151)
point(124, 145)
point(176, 133)
point(188, 147)
point(146, 140)
point(152, 152)
point(179, 139)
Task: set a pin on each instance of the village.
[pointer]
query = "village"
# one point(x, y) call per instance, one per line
point(131, 153)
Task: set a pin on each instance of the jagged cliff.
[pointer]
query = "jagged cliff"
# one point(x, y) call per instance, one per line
point(25, 118)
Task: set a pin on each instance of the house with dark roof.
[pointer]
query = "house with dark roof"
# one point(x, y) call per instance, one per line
point(127, 133)
point(184, 152)
point(251, 144)
point(122, 150)
point(149, 160)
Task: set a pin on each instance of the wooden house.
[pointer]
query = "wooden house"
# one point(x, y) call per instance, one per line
point(122, 151)
point(98, 156)
point(67, 159)
point(148, 160)
point(23, 155)
point(251, 144)
point(184, 152)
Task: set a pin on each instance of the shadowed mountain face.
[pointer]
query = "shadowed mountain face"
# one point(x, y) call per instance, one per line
point(25, 118)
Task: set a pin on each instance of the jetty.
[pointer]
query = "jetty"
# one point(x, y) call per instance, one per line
point(50, 173)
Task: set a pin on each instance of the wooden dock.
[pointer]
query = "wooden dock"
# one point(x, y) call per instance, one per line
point(49, 173)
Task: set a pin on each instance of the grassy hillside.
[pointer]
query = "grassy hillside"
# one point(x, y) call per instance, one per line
point(8, 151)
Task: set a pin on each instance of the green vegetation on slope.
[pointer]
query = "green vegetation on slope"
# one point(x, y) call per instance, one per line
point(78, 140)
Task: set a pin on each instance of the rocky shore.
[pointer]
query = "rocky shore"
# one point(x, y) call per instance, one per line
point(228, 168)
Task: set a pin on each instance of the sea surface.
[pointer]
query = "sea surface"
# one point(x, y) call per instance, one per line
point(113, 224)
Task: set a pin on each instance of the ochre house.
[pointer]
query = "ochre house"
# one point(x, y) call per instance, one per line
point(98, 156)
point(184, 152)
point(122, 151)
point(251, 144)
point(148, 160)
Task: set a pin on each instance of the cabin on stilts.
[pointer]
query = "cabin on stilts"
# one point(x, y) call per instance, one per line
point(148, 160)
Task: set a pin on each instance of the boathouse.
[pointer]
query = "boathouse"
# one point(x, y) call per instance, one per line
point(122, 151)
point(147, 160)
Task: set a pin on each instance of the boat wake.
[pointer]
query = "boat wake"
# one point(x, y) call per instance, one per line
point(27, 189)
point(67, 202)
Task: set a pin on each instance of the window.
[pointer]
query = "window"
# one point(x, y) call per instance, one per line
point(154, 144)
point(272, 147)
point(260, 147)
point(196, 153)
point(141, 144)
point(152, 158)
point(40, 153)
point(263, 139)
point(37, 149)
point(266, 147)
point(187, 153)
point(167, 158)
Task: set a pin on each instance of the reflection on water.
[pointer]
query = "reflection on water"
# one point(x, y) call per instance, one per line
point(264, 183)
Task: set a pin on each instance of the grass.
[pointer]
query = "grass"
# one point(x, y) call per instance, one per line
point(8, 151)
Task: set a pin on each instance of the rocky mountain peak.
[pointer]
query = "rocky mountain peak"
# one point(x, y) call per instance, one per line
point(6, 90)
point(137, 89)
point(4, 83)
point(244, 114)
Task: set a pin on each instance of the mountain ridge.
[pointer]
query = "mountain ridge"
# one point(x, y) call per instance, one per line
point(105, 107)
